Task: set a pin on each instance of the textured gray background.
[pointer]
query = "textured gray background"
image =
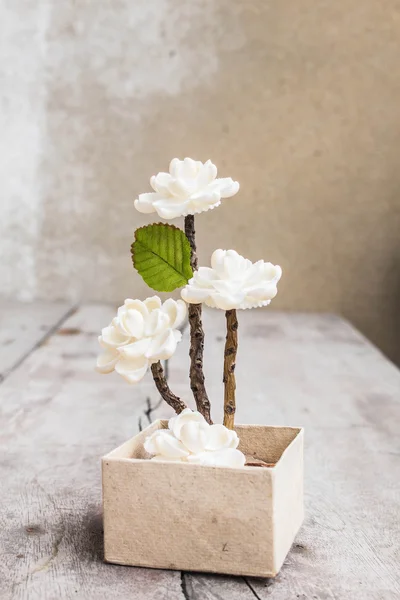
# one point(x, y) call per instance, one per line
point(298, 100)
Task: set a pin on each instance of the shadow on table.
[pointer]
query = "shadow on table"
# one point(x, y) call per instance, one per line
point(88, 535)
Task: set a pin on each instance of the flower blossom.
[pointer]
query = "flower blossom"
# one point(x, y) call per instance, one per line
point(190, 187)
point(189, 438)
point(233, 282)
point(141, 334)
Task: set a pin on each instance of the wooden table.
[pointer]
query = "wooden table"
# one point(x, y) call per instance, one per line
point(58, 417)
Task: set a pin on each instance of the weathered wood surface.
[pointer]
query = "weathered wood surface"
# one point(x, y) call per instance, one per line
point(23, 326)
point(57, 417)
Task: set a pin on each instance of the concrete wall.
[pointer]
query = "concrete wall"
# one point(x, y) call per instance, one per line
point(299, 100)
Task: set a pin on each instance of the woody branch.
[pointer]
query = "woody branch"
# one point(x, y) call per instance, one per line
point(231, 345)
point(165, 392)
point(196, 352)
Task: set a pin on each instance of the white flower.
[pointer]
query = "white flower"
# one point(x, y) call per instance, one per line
point(189, 438)
point(229, 457)
point(190, 187)
point(194, 436)
point(233, 282)
point(163, 442)
point(220, 437)
point(188, 415)
point(141, 334)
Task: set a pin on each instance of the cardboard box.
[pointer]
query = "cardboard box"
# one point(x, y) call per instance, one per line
point(212, 519)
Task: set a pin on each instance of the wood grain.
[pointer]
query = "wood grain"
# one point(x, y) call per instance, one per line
point(58, 417)
point(24, 326)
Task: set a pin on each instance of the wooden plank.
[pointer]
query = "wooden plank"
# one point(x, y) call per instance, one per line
point(23, 326)
point(317, 371)
point(58, 417)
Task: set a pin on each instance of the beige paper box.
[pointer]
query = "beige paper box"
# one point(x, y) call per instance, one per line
point(196, 518)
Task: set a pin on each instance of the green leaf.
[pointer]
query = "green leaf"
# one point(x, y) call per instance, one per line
point(161, 255)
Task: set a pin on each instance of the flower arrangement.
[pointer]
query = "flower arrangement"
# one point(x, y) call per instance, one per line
point(214, 509)
point(145, 333)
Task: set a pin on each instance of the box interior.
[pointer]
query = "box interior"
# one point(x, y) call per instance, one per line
point(265, 443)
point(258, 441)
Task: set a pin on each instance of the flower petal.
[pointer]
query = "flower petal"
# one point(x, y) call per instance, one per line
point(163, 346)
point(217, 261)
point(226, 187)
point(207, 174)
point(272, 272)
point(132, 323)
point(107, 360)
point(171, 447)
point(132, 369)
point(221, 437)
point(267, 291)
point(113, 337)
point(145, 202)
point(228, 301)
point(150, 442)
point(194, 435)
point(181, 314)
point(171, 210)
point(229, 457)
point(152, 303)
point(136, 349)
point(156, 323)
point(176, 311)
point(181, 189)
point(226, 286)
point(187, 415)
point(193, 295)
point(102, 343)
point(133, 304)
point(160, 183)
point(174, 167)
point(205, 276)
point(172, 420)
point(190, 168)
point(190, 210)
point(163, 442)
point(204, 200)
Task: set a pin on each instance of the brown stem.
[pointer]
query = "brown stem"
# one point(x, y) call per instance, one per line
point(231, 345)
point(191, 236)
point(196, 336)
point(162, 385)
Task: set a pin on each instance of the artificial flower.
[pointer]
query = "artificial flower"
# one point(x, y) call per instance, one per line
point(141, 334)
point(164, 443)
point(233, 281)
point(190, 187)
point(189, 438)
point(228, 457)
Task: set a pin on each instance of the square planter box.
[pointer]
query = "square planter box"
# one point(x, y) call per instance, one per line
point(213, 519)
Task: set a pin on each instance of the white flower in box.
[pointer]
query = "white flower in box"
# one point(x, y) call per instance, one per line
point(220, 438)
point(141, 334)
point(175, 424)
point(228, 457)
point(233, 282)
point(190, 187)
point(189, 438)
point(164, 443)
